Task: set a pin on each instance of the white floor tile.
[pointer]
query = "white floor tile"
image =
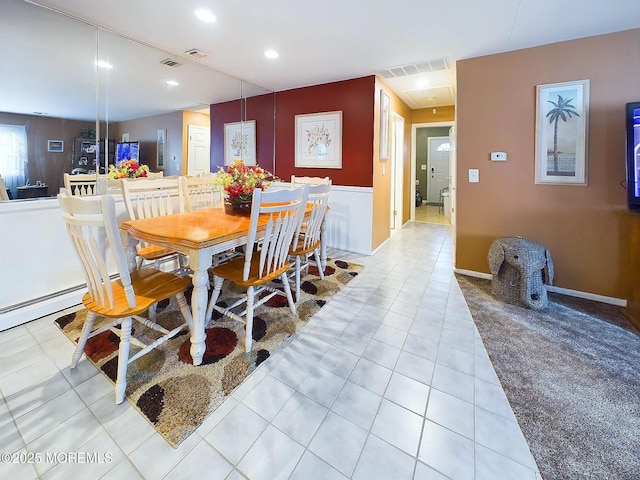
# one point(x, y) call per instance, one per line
point(310, 467)
point(381, 461)
point(399, 427)
point(202, 461)
point(272, 457)
point(339, 443)
point(357, 404)
point(300, 418)
point(389, 380)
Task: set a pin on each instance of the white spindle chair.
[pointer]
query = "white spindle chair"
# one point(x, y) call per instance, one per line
point(308, 237)
point(153, 197)
point(200, 193)
point(92, 226)
point(81, 184)
point(258, 267)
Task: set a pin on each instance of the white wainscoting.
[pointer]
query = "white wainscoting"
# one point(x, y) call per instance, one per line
point(350, 219)
point(41, 273)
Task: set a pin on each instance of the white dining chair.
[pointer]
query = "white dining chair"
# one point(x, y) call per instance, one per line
point(307, 240)
point(92, 226)
point(153, 197)
point(256, 270)
point(81, 184)
point(200, 192)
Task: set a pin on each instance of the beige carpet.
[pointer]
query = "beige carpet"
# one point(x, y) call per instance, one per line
point(571, 373)
point(172, 394)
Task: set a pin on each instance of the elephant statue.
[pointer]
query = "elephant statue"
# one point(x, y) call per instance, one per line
point(520, 268)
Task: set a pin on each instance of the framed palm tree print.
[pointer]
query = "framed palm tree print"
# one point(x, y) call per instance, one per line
point(562, 113)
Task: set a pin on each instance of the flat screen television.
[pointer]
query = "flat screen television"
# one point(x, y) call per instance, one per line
point(127, 151)
point(633, 155)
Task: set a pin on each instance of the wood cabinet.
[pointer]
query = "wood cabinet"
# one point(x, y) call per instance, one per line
point(87, 153)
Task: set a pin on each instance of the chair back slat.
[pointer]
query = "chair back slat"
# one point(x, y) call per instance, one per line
point(285, 209)
point(92, 227)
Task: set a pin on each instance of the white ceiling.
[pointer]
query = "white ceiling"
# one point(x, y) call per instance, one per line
point(334, 40)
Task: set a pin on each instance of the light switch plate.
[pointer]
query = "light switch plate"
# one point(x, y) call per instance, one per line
point(474, 175)
point(498, 156)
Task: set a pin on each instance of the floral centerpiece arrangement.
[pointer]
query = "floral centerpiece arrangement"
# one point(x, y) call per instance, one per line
point(128, 169)
point(239, 181)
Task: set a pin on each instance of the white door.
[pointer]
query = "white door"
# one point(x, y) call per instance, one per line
point(397, 170)
point(438, 167)
point(198, 160)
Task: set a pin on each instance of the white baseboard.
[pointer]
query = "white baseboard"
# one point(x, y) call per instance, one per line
point(619, 302)
point(41, 308)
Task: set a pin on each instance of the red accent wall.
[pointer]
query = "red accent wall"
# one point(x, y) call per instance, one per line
point(355, 98)
point(258, 108)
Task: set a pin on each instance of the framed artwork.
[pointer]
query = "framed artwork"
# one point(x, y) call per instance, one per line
point(318, 140)
point(240, 142)
point(385, 111)
point(161, 151)
point(562, 114)
point(125, 137)
point(55, 146)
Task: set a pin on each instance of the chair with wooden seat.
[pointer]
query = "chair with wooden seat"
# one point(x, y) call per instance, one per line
point(92, 227)
point(81, 184)
point(153, 197)
point(200, 192)
point(307, 240)
point(254, 272)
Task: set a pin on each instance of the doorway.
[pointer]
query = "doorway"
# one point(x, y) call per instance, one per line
point(198, 157)
point(432, 170)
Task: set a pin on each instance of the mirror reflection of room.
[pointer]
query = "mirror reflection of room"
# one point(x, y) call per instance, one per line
point(87, 91)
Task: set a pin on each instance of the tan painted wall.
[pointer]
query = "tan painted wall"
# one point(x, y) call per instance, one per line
point(426, 115)
point(382, 182)
point(585, 228)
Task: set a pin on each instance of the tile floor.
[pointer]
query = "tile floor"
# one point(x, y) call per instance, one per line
point(431, 214)
point(390, 380)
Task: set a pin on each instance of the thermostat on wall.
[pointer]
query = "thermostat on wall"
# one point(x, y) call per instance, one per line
point(498, 156)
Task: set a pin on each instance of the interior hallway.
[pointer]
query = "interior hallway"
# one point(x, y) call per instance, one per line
point(389, 380)
point(431, 214)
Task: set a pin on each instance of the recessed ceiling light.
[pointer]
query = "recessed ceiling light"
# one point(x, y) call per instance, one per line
point(173, 83)
point(104, 64)
point(271, 53)
point(205, 15)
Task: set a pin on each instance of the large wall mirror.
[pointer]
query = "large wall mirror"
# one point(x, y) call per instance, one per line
point(76, 97)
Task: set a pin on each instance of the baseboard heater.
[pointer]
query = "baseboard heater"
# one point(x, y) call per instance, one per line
point(44, 298)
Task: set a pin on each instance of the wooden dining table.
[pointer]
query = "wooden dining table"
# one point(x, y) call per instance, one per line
point(198, 234)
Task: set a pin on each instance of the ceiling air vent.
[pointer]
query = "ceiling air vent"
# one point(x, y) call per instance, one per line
point(170, 62)
point(415, 68)
point(195, 53)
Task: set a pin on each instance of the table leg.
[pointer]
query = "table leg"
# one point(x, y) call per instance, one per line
point(130, 252)
point(323, 243)
point(199, 261)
